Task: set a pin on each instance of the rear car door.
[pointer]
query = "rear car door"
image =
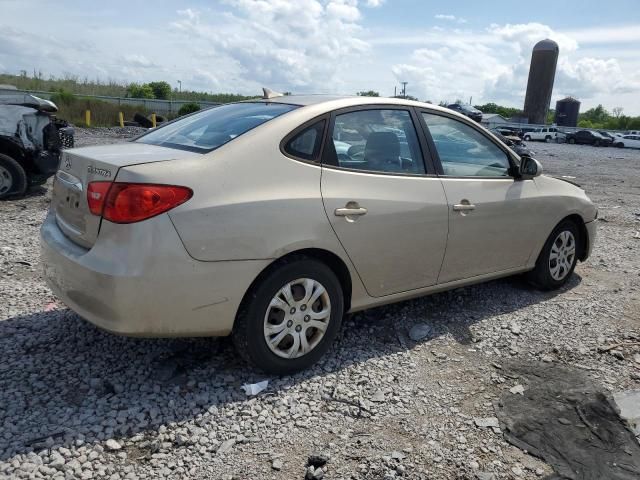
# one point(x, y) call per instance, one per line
point(490, 212)
point(385, 204)
point(632, 141)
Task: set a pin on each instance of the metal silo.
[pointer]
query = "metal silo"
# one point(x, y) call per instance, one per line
point(541, 75)
point(567, 111)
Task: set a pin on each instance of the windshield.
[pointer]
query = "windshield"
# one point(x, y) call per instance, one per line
point(207, 130)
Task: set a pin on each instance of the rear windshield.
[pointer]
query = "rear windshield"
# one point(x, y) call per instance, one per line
point(207, 130)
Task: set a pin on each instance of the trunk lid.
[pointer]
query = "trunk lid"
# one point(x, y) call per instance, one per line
point(80, 166)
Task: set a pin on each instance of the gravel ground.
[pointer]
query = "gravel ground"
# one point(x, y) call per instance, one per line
point(76, 402)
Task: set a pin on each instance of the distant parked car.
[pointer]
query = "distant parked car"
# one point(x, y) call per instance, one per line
point(546, 134)
point(608, 135)
point(587, 137)
point(627, 141)
point(632, 132)
point(468, 110)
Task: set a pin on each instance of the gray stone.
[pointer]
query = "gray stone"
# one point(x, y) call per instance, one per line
point(517, 389)
point(396, 455)
point(378, 397)
point(277, 464)
point(629, 404)
point(56, 460)
point(487, 422)
point(314, 473)
point(420, 331)
point(226, 446)
point(318, 459)
point(485, 476)
point(112, 445)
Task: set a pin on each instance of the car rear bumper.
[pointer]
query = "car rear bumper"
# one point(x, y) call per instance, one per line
point(139, 280)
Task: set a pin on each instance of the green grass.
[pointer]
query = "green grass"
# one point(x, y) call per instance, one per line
point(77, 86)
point(103, 114)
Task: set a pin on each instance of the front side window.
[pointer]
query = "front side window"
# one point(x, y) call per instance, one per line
point(306, 144)
point(377, 140)
point(465, 152)
point(207, 130)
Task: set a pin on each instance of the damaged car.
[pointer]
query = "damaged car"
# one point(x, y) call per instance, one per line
point(31, 141)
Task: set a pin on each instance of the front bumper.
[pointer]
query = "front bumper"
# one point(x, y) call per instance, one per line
point(138, 280)
point(591, 237)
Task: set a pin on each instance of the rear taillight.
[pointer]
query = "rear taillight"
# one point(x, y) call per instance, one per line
point(133, 202)
point(96, 195)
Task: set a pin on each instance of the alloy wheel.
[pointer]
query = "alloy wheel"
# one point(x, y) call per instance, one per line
point(562, 255)
point(297, 318)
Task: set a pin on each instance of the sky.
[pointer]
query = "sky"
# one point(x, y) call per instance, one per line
point(445, 51)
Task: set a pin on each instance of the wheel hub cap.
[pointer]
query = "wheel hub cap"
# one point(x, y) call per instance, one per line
point(297, 318)
point(6, 180)
point(562, 256)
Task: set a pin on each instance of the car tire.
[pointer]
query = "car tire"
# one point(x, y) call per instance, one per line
point(142, 120)
point(547, 139)
point(596, 143)
point(572, 141)
point(620, 145)
point(13, 178)
point(527, 138)
point(259, 312)
point(556, 264)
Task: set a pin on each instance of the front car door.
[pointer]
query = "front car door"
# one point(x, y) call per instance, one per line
point(385, 204)
point(584, 137)
point(490, 212)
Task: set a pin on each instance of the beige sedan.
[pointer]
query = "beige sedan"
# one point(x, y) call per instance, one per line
point(270, 219)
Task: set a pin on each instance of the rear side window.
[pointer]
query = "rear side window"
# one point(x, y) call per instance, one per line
point(377, 140)
point(306, 144)
point(207, 130)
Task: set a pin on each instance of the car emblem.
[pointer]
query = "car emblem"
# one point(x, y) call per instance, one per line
point(67, 163)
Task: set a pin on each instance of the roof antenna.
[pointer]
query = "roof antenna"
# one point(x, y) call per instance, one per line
point(268, 93)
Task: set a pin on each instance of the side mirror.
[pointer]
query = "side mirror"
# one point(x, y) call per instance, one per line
point(529, 168)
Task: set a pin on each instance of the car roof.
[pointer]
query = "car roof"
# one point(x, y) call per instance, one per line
point(334, 102)
point(27, 100)
point(304, 100)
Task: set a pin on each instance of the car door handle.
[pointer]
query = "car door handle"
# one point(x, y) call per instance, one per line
point(464, 207)
point(350, 212)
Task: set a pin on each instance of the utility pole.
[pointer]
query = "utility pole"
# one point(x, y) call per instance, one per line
point(404, 88)
point(180, 85)
point(395, 91)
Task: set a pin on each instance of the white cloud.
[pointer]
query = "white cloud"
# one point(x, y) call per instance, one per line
point(137, 60)
point(317, 46)
point(277, 43)
point(456, 64)
point(450, 18)
point(189, 13)
point(606, 35)
point(526, 35)
point(587, 77)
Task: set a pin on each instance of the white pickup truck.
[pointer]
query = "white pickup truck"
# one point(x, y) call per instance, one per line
point(546, 134)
